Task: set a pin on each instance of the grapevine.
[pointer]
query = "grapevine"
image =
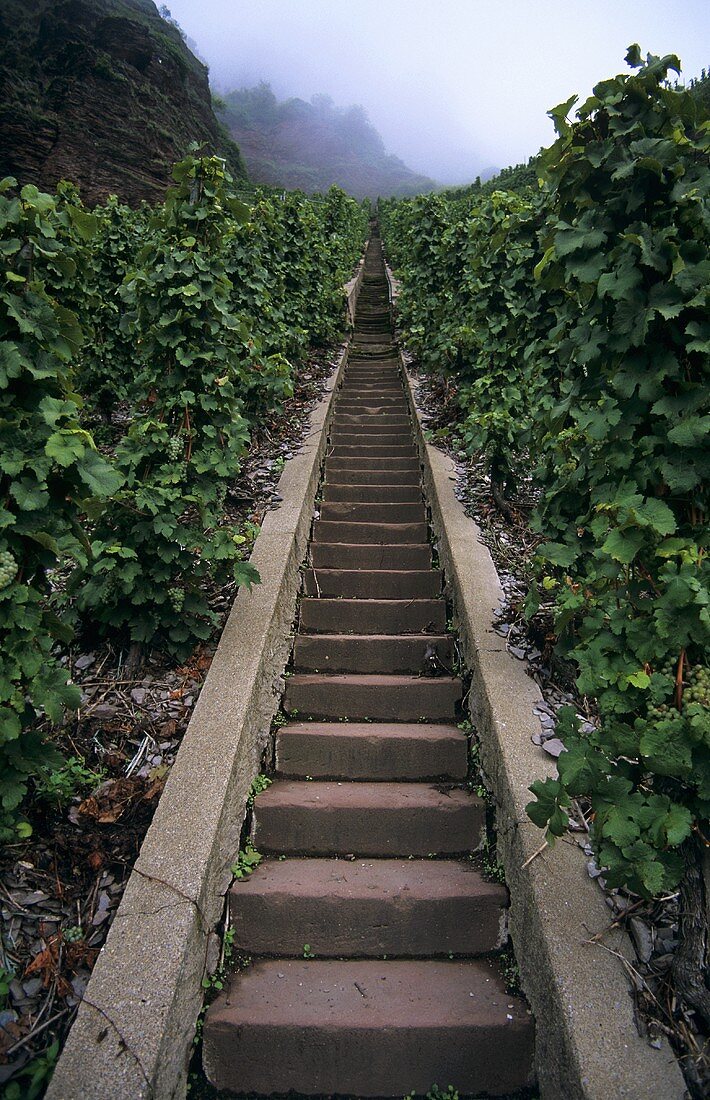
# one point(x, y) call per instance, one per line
point(571, 324)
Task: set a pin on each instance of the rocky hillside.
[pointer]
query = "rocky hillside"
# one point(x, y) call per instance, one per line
point(103, 92)
point(311, 145)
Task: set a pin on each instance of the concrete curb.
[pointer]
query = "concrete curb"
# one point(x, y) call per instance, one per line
point(133, 1034)
point(588, 1046)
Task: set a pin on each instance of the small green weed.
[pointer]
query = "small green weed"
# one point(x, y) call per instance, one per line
point(5, 979)
point(510, 970)
point(307, 953)
point(31, 1081)
point(59, 785)
point(247, 861)
point(260, 784)
point(435, 1093)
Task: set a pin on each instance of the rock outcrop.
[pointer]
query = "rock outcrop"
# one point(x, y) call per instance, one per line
point(102, 92)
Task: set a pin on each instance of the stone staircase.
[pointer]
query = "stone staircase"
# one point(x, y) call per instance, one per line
point(371, 933)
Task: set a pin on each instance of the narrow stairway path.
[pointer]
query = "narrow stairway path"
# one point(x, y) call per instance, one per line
point(372, 938)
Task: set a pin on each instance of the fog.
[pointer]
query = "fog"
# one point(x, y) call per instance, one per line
point(453, 86)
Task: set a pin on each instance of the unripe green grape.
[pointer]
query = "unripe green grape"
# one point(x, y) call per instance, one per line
point(8, 568)
point(174, 448)
point(177, 598)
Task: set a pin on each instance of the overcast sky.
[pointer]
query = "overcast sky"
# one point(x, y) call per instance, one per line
point(453, 86)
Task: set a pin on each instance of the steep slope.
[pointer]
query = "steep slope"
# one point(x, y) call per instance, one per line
point(292, 143)
point(102, 92)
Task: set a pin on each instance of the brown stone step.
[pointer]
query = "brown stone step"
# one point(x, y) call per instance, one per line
point(354, 511)
point(420, 653)
point(330, 555)
point(367, 908)
point(368, 1028)
point(369, 367)
point(373, 404)
point(385, 698)
point(379, 425)
point(373, 339)
point(353, 436)
point(371, 750)
point(371, 378)
point(372, 375)
point(373, 450)
point(389, 469)
point(372, 494)
point(357, 388)
point(373, 533)
point(373, 616)
point(374, 584)
point(364, 363)
point(368, 819)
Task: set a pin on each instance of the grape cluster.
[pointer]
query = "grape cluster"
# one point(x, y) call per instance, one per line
point(174, 448)
point(177, 598)
point(8, 568)
point(696, 689)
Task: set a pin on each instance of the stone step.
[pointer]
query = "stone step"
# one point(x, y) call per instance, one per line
point(373, 339)
point(373, 403)
point(330, 555)
point(386, 584)
point(345, 471)
point(358, 387)
point(371, 750)
point(373, 373)
point(355, 511)
point(373, 533)
point(372, 451)
point(365, 695)
point(325, 616)
point(367, 819)
point(372, 494)
point(368, 1028)
point(353, 436)
point(380, 425)
point(369, 908)
point(373, 363)
point(372, 376)
point(372, 406)
point(394, 653)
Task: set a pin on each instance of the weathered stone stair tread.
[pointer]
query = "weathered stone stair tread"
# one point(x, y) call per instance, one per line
point(371, 751)
point(374, 583)
point(386, 698)
point(326, 616)
point(397, 653)
point(373, 511)
point(353, 437)
point(368, 819)
point(325, 530)
point(375, 450)
point(331, 555)
point(371, 494)
point(367, 1028)
point(380, 426)
point(367, 908)
point(406, 471)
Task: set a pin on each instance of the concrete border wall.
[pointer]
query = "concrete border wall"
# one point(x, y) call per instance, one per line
point(587, 1043)
point(133, 1034)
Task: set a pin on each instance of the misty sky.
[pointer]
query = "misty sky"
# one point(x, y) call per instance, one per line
point(453, 86)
